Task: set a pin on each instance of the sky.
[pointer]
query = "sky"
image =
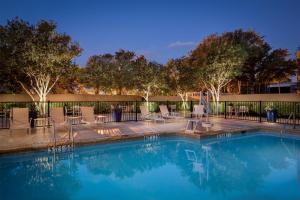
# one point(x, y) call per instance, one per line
point(159, 29)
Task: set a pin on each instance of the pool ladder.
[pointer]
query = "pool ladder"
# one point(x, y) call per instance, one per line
point(153, 137)
point(283, 129)
point(224, 135)
point(65, 146)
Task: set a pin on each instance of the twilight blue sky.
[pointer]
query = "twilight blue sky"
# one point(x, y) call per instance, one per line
point(159, 29)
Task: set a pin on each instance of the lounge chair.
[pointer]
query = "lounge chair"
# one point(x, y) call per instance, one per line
point(198, 111)
point(166, 114)
point(244, 110)
point(73, 110)
point(57, 117)
point(230, 110)
point(146, 115)
point(19, 119)
point(88, 116)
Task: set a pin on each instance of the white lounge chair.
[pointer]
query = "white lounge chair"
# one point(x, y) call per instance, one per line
point(19, 119)
point(146, 115)
point(166, 114)
point(198, 111)
point(244, 110)
point(230, 110)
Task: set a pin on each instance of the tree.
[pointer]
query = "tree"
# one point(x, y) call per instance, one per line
point(180, 78)
point(98, 72)
point(217, 61)
point(111, 72)
point(257, 49)
point(276, 67)
point(123, 70)
point(146, 77)
point(40, 53)
point(70, 82)
point(12, 38)
point(262, 65)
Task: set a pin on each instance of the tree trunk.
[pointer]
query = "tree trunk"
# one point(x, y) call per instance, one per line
point(97, 90)
point(120, 91)
point(146, 97)
point(42, 104)
point(184, 99)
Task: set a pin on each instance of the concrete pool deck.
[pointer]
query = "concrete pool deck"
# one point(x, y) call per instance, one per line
point(41, 138)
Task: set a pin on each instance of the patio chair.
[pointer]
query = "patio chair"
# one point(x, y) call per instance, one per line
point(146, 115)
point(230, 110)
point(88, 116)
point(57, 117)
point(198, 111)
point(244, 110)
point(19, 119)
point(73, 110)
point(166, 114)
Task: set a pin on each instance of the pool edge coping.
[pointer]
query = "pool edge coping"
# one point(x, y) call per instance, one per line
point(113, 139)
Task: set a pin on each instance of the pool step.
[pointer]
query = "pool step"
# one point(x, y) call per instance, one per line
point(61, 147)
point(224, 135)
point(152, 137)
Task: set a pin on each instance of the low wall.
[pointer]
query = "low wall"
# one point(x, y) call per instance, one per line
point(69, 97)
point(261, 97)
point(89, 97)
point(170, 98)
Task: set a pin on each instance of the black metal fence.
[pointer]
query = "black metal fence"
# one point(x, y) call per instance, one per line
point(241, 110)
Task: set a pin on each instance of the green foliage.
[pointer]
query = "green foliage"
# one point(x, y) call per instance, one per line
point(147, 77)
point(262, 65)
point(179, 76)
point(110, 72)
point(31, 52)
point(98, 72)
point(217, 61)
point(276, 67)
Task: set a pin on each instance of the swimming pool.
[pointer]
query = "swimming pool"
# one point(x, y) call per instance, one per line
point(249, 166)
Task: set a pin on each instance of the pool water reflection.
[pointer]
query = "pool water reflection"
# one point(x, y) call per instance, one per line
point(251, 166)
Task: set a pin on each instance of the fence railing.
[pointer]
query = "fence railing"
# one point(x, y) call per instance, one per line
point(241, 110)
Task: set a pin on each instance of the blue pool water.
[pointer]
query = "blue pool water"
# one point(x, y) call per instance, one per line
point(251, 166)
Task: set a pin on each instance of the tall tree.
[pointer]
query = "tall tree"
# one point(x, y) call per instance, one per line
point(111, 72)
point(147, 77)
point(70, 82)
point(40, 53)
point(123, 70)
point(99, 73)
point(180, 78)
point(262, 65)
point(217, 61)
point(276, 67)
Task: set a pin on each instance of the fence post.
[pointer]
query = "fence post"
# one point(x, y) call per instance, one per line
point(294, 115)
point(191, 108)
point(136, 111)
point(225, 110)
point(259, 111)
point(48, 108)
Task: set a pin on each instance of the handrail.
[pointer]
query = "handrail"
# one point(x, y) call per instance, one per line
point(292, 114)
point(70, 131)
